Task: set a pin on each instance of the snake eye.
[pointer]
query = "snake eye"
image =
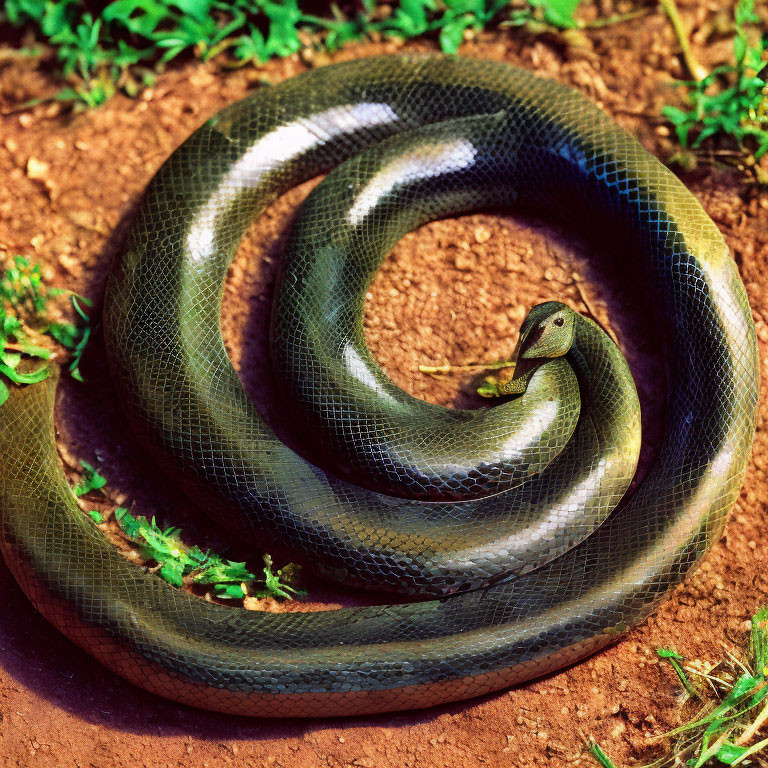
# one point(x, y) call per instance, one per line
point(559, 321)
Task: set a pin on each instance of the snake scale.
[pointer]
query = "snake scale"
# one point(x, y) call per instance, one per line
point(527, 574)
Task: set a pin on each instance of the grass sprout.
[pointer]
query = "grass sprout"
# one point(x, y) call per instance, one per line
point(725, 712)
point(555, 14)
point(599, 754)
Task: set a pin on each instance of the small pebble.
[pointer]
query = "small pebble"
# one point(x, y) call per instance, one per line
point(464, 261)
point(482, 234)
point(37, 169)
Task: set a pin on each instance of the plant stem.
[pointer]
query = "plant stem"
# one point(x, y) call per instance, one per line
point(448, 368)
point(616, 18)
point(691, 62)
point(754, 727)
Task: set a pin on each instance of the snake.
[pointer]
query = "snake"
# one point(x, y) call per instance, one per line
point(410, 138)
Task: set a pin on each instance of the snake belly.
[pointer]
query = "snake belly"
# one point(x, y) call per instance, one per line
point(360, 660)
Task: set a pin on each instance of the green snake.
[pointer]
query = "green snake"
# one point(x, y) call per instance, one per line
point(530, 578)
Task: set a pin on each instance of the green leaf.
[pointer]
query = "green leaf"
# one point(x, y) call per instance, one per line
point(198, 9)
point(739, 48)
point(96, 516)
point(34, 351)
point(410, 18)
point(558, 13)
point(128, 522)
point(273, 586)
point(743, 686)
point(77, 357)
point(668, 653)
point(65, 333)
point(674, 659)
point(713, 731)
point(43, 372)
point(4, 393)
point(452, 34)
point(251, 47)
point(229, 591)
point(57, 17)
point(674, 115)
point(753, 750)
point(141, 17)
point(744, 13)
point(18, 11)
point(197, 556)
point(282, 36)
point(223, 572)
point(172, 571)
point(11, 359)
point(488, 387)
point(730, 752)
point(91, 480)
point(599, 754)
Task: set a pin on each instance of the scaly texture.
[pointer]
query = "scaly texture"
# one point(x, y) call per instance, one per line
point(557, 153)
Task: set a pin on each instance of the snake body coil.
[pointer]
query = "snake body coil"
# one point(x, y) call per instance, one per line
point(579, 582)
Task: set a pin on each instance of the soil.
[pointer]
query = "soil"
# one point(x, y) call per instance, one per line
point(454, 291)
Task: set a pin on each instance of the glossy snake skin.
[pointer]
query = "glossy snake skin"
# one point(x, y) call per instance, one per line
point(465, 133)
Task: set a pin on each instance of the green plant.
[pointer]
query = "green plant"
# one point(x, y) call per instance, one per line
point(114, 48)
point(22, 288)
point(179, 564)
point(599, 754)
point(14, 344)
point(450, 19)
point(24, 325)
point(730, 705)
point(732, 100)
point(674, 659)
point(74, 337)
point(182, 565)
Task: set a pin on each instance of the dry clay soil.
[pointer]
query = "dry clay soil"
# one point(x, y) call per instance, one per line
point(452, 291)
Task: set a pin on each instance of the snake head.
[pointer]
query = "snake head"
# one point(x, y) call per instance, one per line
point(547, 332)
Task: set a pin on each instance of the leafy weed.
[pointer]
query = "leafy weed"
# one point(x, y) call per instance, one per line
point(732, 100)
point(180, 565)
point(24, 326)
point(91, 480)
point(99, 52)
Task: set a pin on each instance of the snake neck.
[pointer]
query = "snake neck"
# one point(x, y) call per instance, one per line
point(582, 353)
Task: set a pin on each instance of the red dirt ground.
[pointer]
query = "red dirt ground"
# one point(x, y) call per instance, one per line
point(452, 291)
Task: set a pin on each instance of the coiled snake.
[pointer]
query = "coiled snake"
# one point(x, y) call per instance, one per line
point(541, 577)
